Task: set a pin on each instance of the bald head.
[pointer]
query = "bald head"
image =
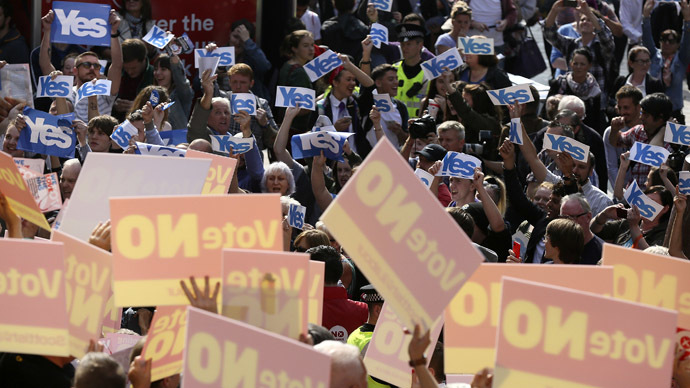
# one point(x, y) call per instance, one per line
point(201, 145)
point(347, 368)
point(68, 177)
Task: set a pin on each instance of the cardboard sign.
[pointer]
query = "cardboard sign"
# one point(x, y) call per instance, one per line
point(476, 46)
point(35, 167)
point(515, 135)
point(684, 182)
point(648, 208)
point(460, 165)
point(221, 351)
point(296, 216)
point(226, 55)
point(114, 342)
point(577, 150)
point(677, 134)
point(322, 65)
point(174, 137)
point(219, 174)
point(104, 63)
point(47, 134)
point(287, 96)
point(243, 102)
point(382, 5)
point(88, 273)
point(384, 103)
point(310, 144)
point(16, 191)
point(46, 191)
point(399, 218)
point(112, 317)
point(61, 86)
point(61, 213)
point(15, 82)
point(472, 316)
point(157, 150)
point(316, 274)
point(551, 336)
point(100, 87)
point(378, 34)
point(227, 143)
point(208, 63)
point(165, 341)
point(507, 96)
point(33, 296)
point(172, 238)
point(424, 176)
point(123, 133)
point(157, 38)
point(434, 67)
point(106, 175)
point(387, 357)
point(648, 154)
point(268, 290)
point(81, 23)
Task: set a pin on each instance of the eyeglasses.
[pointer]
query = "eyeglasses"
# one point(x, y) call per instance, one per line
point(668, 40)
point(571, 217)
point(89, 65)
point(643, 61)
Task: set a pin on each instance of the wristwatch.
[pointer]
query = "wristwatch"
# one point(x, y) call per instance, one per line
point(418, 362)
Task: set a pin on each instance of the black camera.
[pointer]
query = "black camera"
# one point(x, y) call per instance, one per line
point(421, 127)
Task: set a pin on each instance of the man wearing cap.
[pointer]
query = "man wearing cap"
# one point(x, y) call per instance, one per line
point(374, 301)
point(430, 154)
point(411, 84)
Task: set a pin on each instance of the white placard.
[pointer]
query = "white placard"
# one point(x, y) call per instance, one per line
point(507, 96)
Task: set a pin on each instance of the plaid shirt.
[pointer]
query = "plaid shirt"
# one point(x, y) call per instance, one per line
point(637, 133)
point(603, 39)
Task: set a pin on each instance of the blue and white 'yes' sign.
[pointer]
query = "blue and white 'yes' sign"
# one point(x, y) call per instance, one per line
point(507, 96)
point(123, 133)
point(382, 5)
point(648, 208)
point(577, 150)
point(226, 55)
point(379, 34)
point(227, 143)
point(157, 150)
point(476, 46)
point(383, 103)
point(460, 165)
point(434, 67)
point(648, 154)
point(515, 134)
point(47, 134)
point(677, 134)
point(287, 96)
point(174, 137)
point(424, 176)
point(61, 86)
point(80, 23)
point(158, 38)
point(99, 88)
point(296, 215)
point(311, 144)
point(684, 182)
point(243, 102)
point(322, 65)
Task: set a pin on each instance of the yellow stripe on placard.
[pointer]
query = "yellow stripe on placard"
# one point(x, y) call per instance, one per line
point(377, 270)
point(468, 360)
point(78, 347)
point(34, 340)
point(159, 292)
point(386, 373)
point(29, 214)
point(510, 378)
point(166, 370)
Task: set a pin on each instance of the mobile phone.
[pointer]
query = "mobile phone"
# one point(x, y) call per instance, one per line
point(570, 3)
point(516, 249)
point(622, 213)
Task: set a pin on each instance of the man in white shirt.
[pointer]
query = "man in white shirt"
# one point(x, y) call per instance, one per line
point(311, 19)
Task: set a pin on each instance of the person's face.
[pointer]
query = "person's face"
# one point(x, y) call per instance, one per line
point(657, 198)
point(541, 198)
point(472, 60)
point(99, 141)
point(668, 45)
point(10, 144)
point(440, 86)
point(649, 121)
point(461, 24)
point(134, 68)
point(304, 52)
point(277, 182)
point(641, 63)
point(68, 178)
point(302, 246)
point(424, 163)
point(388, 83)
point(141, 135)
point(133, 6)
point(344, 172)
point(240, 83)
point(585, 25)
point(87, 68)
point(411, 48)
point(459, 188)
point(628, 110)
point(551, 252)
point(580, 65)
point(573, 211)
point(553, 206)
point(345, 84)
point(219, 119)
point(301, 10)
point(68, 66)
point(449, 140)
point(582, 170)
point(163, 76)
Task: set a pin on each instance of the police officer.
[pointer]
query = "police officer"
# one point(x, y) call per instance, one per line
point(411, 84)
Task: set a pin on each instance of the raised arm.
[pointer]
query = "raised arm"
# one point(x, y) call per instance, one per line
point(492, 213)
point(675, 245)
point(115, 71)
point(280, 145)
point(619, 186)
point(44, 52)
point(529, 151)
point(531, 212)
point(647, 38)
point(318, 183)
point(361, 76)
point(365, 63)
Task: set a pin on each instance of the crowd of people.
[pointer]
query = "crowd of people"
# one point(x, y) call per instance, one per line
point(562, 209)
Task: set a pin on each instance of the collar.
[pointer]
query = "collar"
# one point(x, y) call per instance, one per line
point(334, 101)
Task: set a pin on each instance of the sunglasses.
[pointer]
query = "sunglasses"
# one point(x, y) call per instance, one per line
point(89, 65)
point(643, 61)
point(574, 217)
point(668, 40)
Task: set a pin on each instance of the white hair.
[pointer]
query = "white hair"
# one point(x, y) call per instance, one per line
point(283, 169)
point(573, 103)
point(220, 99)
point(286, 201)
point(347, 368)
point(657, 250)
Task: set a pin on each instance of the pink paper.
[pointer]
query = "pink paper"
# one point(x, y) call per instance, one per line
point(165, 341)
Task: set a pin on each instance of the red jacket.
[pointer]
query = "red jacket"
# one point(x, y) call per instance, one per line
point(342, 316)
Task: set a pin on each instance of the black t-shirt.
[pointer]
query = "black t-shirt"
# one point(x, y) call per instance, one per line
point(31, 371)
point(592, 252)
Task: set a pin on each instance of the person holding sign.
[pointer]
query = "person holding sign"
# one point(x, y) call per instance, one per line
point(298, 47)
point(156, 97)
point(413, 86)
point(461, 16)
point(138, 74)
point(169, 74)
point(483, 68)
point(9, 144)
